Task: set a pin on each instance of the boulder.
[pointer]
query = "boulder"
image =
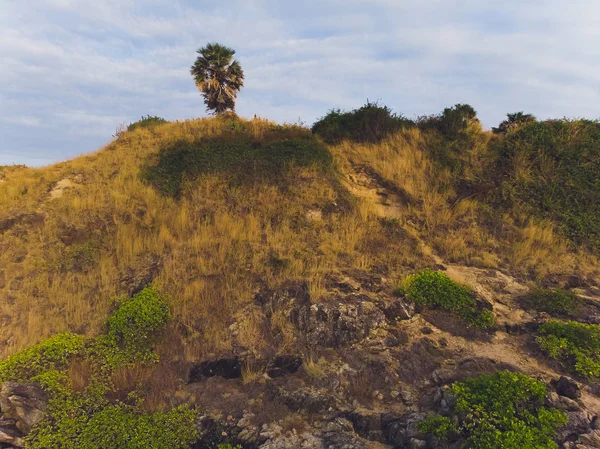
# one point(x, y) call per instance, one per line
point(22, 406)
point(26, 404)
point(567, 387)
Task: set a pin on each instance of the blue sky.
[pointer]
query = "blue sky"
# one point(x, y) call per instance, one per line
point(72, 70)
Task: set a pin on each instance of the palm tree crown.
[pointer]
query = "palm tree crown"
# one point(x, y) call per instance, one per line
point(218, 77)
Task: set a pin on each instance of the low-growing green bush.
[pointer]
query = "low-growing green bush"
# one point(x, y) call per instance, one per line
point(87, 419)
point(369, 123)
point(146, 122)
point(54, 353)
point(575, 344)
point(436, 290)
point(556, 302)
point(239, 156)
point(115, 427)
point(503, 410)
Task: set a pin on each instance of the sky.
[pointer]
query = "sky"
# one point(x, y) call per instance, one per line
point(71, 71)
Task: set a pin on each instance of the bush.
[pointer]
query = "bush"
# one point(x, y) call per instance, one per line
point(238, 156)
point(146, 122)
point(54, 353)
point(436, 290)
point(503, 410)
point(551, 170)
point(119, 427)
point(450, 123)
point(513, 121)
point(132, 325)
point(556, 302)
point(369, 123)
point(574, 344)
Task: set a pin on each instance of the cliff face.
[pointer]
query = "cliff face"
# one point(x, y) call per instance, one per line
point(285, 266)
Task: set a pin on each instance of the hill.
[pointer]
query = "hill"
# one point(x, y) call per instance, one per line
point(224, 281)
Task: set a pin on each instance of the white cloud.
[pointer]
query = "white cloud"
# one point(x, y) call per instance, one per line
point(83, 66)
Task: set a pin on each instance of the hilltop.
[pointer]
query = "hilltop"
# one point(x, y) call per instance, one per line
point(225, 281)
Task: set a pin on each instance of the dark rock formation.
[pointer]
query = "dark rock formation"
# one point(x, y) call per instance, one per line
point(567, 387)
point(229, 368)
point(22, 406)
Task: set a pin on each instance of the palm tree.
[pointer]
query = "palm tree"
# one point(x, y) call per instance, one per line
point(218, 77)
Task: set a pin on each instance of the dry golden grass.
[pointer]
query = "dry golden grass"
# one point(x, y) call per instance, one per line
point(63, 259)
point(217, 243)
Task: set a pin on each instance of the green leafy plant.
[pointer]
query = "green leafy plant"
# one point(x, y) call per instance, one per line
point(436, 290)
point(369, 123)
point(513, 121)
point(575, 344)
point(556, 302)
point(503, 410)
point(146, 122)
point(52, 354)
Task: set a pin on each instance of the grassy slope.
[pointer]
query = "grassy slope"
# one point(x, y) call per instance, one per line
point(221, 240)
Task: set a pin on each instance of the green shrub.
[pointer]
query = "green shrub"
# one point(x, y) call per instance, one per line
point(436, 290)
point(119, 427)
point(369, 123)
point(146, 122)
point(503, 410)
point(513, 121)
point(238, 156)
point(551, 169)
point(131, 327)
point(556, 302)
point(451, 122)
point(576, 345)
point(54, 353)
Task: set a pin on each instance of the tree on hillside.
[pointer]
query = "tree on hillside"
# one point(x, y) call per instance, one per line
point(218, 76)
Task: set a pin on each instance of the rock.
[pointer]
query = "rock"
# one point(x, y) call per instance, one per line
point(562, 402)
point(229, 368)
point(426, 330)
point(283, 365)
point(139, 276)
point(308, 400)
point(9, 434)
point(399, 430)
point(579, 423)
point(341, 323)
point(22, 406)
point(367, 426)
point(399, 311)
point(335, 323)
point(567, 387)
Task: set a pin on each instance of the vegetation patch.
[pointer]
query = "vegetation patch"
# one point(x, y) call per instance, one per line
point(502, 410)
point(146, 122)
point(556, 302)
point(553, 169)
point(575, 344)
point(53, 354)
point(436, 290)
point(239, 156)
point(369, 123)
point(87, 419)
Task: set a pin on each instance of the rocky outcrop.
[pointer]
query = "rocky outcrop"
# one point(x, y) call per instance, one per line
point(334, 323)
point(22, 406)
